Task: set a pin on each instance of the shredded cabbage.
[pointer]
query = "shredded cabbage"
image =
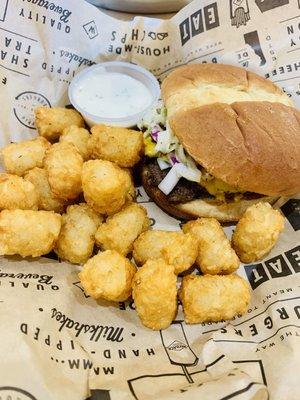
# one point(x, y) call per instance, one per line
point(172, 159)
point(155, 131)
point(168, 150)
point(166, 141)
point(156, 116)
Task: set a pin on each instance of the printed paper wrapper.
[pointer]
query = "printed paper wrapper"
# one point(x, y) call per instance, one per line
point(55, 342)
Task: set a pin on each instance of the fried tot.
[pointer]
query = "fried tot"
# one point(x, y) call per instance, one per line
point(77, 236)
point(15, 193)
point(257, 232)
point(63, 165)
point(129, 185)
point(79, 137)
point(120, 145)
point(154, 293)
point(50, 122)
point(46, 199)
point(18, 158)
point(215, 255)
point(176, 248)
point(213, 298)
point(121, 229)
point(108, 276)
point(28, 233)
point(106, 187)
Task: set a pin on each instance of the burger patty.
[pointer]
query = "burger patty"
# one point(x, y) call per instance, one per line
point(185, 190)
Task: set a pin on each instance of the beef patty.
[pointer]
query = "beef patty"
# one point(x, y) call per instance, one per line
point(185, 190)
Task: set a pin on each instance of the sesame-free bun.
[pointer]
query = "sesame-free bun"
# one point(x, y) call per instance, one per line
point(196, 85)
point(254, 146)
point(239, 126)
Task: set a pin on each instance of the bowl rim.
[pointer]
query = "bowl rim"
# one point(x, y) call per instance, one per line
point(151, 7)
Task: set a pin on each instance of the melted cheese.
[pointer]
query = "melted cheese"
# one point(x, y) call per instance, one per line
point(150, 147)
point(216, 187)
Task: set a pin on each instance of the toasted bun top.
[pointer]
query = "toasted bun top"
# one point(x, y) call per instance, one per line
point(253, 146)
point(201, 84)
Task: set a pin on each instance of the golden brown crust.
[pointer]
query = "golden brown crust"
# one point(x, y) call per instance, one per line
point(121, 229)
point(186, 77)
point(258, 82)
point(50, 122)
point(119, 145)
point(176, 248)
point(19, 158)
point(200, 84)
point(213, 297)
point(155, 295)
point(28, 233)
point(250, 145)
point(108, 276)
point(77, 235)
point(212, 241)
point(257, 232)
point(63, 165)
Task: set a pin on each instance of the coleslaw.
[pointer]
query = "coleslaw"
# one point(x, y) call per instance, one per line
point(161, 143)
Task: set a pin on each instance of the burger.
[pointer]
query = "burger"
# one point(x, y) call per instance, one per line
point(221, 139)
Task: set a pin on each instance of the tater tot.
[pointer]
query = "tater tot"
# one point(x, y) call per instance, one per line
point(15, 193)
point(176, 248)
point(18, 158)
point(215, 255)
point(257, 232)
point(63, 165)
point(155, 295)
point(50, 122)
point(120, 145)
point(121, 229)
point(213, 298)
point(130, 189)
point(77, 236)
point(106, 187)
point(47, 200)
point(108, 276)
point(28, 233)
point(79, 137)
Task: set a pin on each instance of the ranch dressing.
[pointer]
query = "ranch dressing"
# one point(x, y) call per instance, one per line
point(111, 95)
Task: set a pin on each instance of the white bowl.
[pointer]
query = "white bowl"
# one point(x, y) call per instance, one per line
point(136, 72)
point(142, 6)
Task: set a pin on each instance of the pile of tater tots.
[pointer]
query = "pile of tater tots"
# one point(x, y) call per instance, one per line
point(71, 191)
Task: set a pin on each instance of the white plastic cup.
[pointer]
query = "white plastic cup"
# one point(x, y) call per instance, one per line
point(132, 70)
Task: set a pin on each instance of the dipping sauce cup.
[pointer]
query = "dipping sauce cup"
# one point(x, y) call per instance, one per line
point(114, 93)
